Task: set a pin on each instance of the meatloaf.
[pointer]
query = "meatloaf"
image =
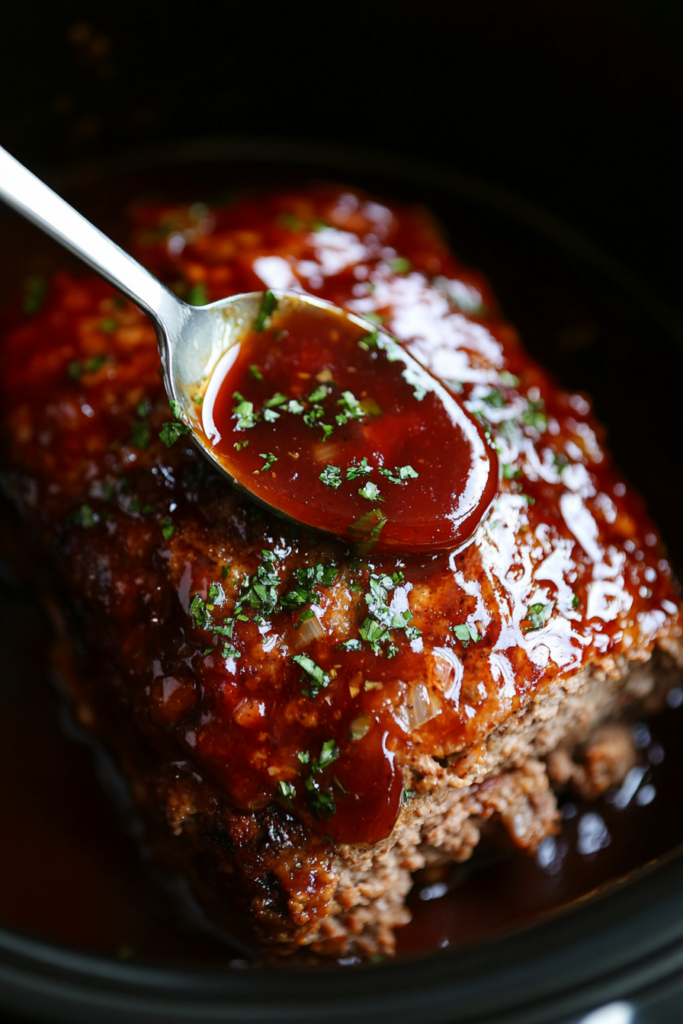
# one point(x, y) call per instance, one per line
point(304, 727)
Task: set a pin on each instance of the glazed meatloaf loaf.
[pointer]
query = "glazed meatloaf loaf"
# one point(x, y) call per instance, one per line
point(302, 726)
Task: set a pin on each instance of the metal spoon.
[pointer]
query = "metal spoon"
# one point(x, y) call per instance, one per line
point(192, 339)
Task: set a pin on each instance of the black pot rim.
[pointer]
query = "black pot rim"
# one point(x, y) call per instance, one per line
point(614, 944)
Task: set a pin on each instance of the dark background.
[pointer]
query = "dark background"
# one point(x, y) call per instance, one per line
point(576, 104)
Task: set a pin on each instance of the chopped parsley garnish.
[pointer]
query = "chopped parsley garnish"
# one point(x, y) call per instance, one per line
point(322, 803)
point(538, 614)
point(277, 399)
point(366, 529)
point(400, 474)
point(296, 407)
point(286, 790)
point(243, 412)
point(575, 601)
point(328, 754)
point(313, 415)
point(400, 265)
point(197, 295)
point(225, 571)
point(260, 591)
point(465, 633)
point(351, 408)
point(86, 517)
point(200, 613)
point(508, 379)
point(309, 576)
point(303, 756)
point(290, 221)
point(374, 318)
point(239, 445)
point(270, 459)
point(331, 476)
point(167, 528)
point(77, 367)
point(320, 394)
point(415, 379)
point(381, 620)
point(35, 289)
point(361, 469)
point(171, 431)
point(408, 795)
point(318, 678)
point(495, 399)
point(109, 325)
point(533, 416)
point(368, 341)
point(269, 304)
point(255, 372)
point(510, 472)
point(370, 491)
point(139, 434)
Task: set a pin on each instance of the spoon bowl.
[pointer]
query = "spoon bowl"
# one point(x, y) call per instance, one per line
point(411, 472)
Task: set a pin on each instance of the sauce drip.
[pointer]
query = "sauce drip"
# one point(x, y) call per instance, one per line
point(336, 426)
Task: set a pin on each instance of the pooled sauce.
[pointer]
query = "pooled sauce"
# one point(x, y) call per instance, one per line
point(339, 428)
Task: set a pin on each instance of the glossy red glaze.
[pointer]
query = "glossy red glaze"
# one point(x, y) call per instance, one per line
point(566, 570)
point(345, 432)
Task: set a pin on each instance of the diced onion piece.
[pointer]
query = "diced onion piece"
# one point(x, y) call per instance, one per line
point(359, 727)
point(370, 407)
point(309, 631)
point(327, 451)
point(423, 705)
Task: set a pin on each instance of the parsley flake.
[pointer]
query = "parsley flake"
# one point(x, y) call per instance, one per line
point(269, 304)
point(270, 459)
point(243, 412)
point(286, 790)
point(400, 265)
point(35, 289)
point(167, 528)
point(370, 491)
point(366, 529)
point(331, 476)
point(400, 474)
point(171, 431)
point(538, 614)
point(197, 295)
point(359, 469)
point(320, 394)
point(368, 341)
point(465, 633)
point(322, 803)
point(328, 754)
point(319, 679)
point(139, 434)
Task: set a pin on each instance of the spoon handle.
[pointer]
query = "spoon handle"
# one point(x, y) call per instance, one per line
point(34, 200)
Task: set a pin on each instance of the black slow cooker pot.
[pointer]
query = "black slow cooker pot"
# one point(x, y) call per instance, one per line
point(519, 111)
